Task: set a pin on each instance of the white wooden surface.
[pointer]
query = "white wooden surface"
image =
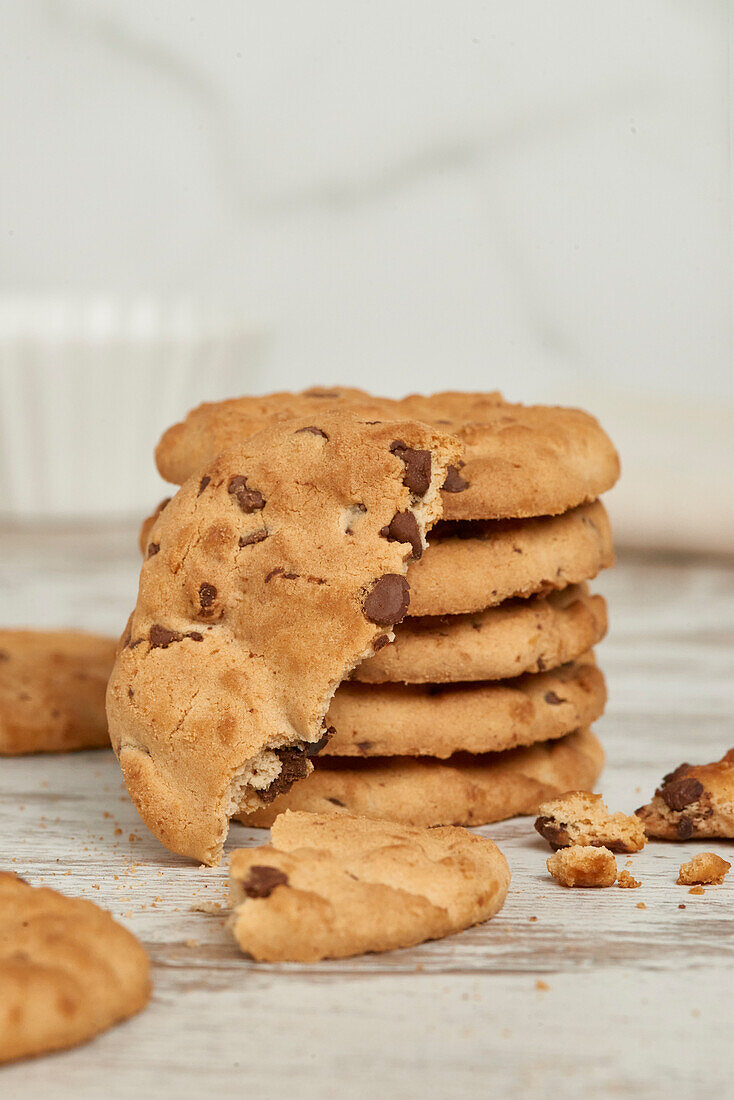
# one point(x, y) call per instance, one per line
point(639, 1001)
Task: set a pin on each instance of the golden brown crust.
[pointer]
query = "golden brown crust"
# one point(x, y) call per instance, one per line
point(331, 886)
point(433, 720)
point(705, 869)
point(274, 572)
point(463, 790)
point(519, 460)
point(52, 690)
point(67, 970)
point(519, 636)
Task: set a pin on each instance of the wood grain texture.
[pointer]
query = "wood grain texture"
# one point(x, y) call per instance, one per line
point(638, 1002)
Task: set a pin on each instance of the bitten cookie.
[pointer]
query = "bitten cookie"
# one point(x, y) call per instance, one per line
point(694, 800)
point(463, 790)
point(67, 970)
point(269, 576)
point(442, 719)
point(517, 637)
point(580, 817)
point(331, 886)
point(52, 690)
point(520, 460)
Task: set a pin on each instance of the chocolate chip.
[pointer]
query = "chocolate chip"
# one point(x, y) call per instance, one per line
point(195, 636)
point(454, 482)
point(294, 765)
point(203, 484)
point(403, 527)
point(553, 699)
point(315, 391)
point(256, 536)
point(207, 596)
point(388, 601)
point(153, 548)
point(274, 573)
point(380, 642)
point(130, 693)
point(261, 881)
point(315, 747)
point(680, 793)
point(553, 832)
point(684, 828)
point(249, 500)
point(4, 656)
point(417, 476)
point(540, 664)
point(313, 431)
point(335, 801)
point(364, 746)
point(681, 771)
point(160, 637)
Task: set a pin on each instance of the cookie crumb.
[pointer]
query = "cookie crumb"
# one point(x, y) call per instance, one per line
point(583, 865)
point(697, 890)
point(532, 918)
point(681, 906)
point(542, 986)
point(626, 881)
point(582, 818)
point(641, 905)
point(706, 867)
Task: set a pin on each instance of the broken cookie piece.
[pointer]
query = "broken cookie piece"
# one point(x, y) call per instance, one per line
point(706, 868)
point(693, 801)
point(279, 568)
point(580, 817)
point(330, 886)
point(626, 881)
point(583, 865)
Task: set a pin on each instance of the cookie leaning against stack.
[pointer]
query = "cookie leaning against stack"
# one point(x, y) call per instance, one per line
point(481, 707)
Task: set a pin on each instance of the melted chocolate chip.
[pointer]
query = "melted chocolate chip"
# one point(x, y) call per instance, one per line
point(195, 636)
point(403, 527)
point(249, 500)
point(681, 771)
point(207, 596)
point(454, 482)
point(553, 832)
point(553, 699)
point(160, 637)
point(274, 573)
point(417, 476)
point(294, 765)
point(315, 748)
point(261, 881)
point(388, 601)
point(335, 801)
point(680, 793)
point(380, 642)
point(317, 392)
point(203, 484)
point(313, 431)
point(684, 828)
point(153, 548)
point(256, 536)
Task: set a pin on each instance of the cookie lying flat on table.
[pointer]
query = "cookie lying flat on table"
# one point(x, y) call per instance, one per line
point(270, 575)
point(52, 690)
point(439, 720)
point(580, 817)
point(520, 460)
point(331, 886)
point(463, 790)
point(517, 637)
point(694, 800)
point(477, 564)
point(67, 970)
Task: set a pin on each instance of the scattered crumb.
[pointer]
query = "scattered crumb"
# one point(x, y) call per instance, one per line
point(583, 865)
point(641, 905)
point(581, 818)
point(681, 906)
point(697, 890)
point(532, 918)
point(118, 832)
point(542, 986)
point(706, 867)
point(626, 882)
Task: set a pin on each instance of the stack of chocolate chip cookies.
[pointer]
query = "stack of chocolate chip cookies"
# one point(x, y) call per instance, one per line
point(481, 708)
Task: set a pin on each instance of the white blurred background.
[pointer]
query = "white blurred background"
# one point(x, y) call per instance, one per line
point(202, 199)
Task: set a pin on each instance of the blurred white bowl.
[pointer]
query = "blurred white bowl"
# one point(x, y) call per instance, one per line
point(87, 387)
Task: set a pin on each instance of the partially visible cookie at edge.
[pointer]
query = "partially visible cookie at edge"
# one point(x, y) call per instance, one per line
point(580, 817)
point(52, 690)
point(332, 886)
point(269, 576)
point(68, 971)
point(694, 800)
